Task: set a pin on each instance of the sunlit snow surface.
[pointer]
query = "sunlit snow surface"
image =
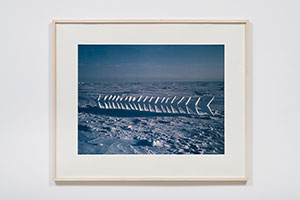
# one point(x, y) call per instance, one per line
point(111, 133)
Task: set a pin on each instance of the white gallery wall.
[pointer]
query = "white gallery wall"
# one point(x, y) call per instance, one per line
point(25, 98)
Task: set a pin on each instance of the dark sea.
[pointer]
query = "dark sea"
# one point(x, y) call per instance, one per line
point(113, 133)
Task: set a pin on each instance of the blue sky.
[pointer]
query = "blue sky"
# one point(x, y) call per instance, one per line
point(135, 63)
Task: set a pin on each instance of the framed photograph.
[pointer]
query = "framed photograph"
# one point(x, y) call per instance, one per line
point(151, 100)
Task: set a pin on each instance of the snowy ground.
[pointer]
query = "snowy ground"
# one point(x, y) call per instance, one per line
point(109, 133)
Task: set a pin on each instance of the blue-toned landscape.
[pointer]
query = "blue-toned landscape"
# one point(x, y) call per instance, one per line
point(132, 100)
point(115, 132)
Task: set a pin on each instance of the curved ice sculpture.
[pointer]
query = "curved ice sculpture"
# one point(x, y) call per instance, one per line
point(157, 104)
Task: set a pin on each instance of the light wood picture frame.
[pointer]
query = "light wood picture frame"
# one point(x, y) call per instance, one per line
point(73, 163)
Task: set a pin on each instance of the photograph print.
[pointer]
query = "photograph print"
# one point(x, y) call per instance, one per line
point(150, 99)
